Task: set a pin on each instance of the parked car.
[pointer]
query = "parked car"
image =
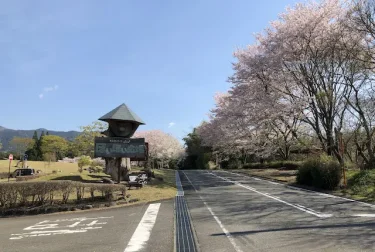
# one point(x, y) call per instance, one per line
point(22, 172)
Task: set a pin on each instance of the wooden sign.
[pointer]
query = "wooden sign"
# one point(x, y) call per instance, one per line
point(120, 147)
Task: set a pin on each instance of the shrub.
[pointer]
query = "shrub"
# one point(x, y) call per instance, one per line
point(275, 164)
point(323, 173)
point(254, 166)
point(361, 181)
point(292, 165)
point(98, 169)
point(304, 174)
point(83, 161)
point(235, 164)
point(98, 162)
point(43, 192)
point(224, 164)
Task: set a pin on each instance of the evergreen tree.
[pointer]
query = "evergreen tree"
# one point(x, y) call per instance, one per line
point(198, 156)
point(33, 153)
point(40, 153)
point(35, 136)
point(47, 134)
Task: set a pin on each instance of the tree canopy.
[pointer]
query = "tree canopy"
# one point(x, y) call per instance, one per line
point(307, 76)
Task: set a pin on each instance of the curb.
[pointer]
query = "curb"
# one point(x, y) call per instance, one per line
point(86, 210)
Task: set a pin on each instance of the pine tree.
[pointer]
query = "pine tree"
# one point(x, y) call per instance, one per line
point(35, 136)
point(32, 153)
point(47, 134)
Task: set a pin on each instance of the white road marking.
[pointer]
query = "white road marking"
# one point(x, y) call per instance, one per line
point(226, 232)
point(331, 196)
point(52, 227)
point(363, 215)
point(143, 231)
point(320, 215)
point(274, 183)
point(321, 194)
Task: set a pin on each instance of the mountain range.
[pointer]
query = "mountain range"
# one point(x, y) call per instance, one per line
point(6, 135)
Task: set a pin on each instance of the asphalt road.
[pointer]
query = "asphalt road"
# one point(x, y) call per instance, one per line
point(115, 229)
point(231, 212)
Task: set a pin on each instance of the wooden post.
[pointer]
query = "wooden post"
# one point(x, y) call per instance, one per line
point(10, 161)
point(118, 172)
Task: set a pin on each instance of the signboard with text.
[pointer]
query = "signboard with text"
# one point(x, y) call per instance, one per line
point(133, 148)
point(142, 158)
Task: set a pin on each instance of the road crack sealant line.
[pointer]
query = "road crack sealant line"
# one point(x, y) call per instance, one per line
point(225, 231)
point(185, 239)
point(307, 210)
point(307, 190)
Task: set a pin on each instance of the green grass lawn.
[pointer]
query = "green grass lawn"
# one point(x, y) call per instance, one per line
point(64, 171)
point(39, 165)
point(161, 187)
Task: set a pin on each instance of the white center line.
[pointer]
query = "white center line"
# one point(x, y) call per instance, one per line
point(143, 231)
point(226, 232)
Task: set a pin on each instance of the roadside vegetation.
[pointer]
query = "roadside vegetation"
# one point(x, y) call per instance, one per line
point(68, 177)
point(54, 193)
point(300, 108)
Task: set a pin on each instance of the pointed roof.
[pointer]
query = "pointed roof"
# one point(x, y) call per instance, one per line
point(123, 113)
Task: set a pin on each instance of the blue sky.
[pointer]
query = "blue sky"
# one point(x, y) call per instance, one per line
point(64, 64)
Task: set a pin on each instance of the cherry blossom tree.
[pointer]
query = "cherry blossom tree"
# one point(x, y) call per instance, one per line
point(162, 146)
point(307, 59)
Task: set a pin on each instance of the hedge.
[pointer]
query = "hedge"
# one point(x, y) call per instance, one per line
point(44, 192)
point(286, 165)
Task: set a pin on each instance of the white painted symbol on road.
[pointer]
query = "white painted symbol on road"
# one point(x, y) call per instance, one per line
point(64, 226)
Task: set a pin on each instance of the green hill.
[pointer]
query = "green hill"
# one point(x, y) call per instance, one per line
point(6, 135)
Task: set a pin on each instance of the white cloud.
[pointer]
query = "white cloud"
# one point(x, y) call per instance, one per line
point(171, 124)
point(48, 89)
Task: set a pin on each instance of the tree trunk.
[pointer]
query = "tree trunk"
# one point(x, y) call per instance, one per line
point(114, 165)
